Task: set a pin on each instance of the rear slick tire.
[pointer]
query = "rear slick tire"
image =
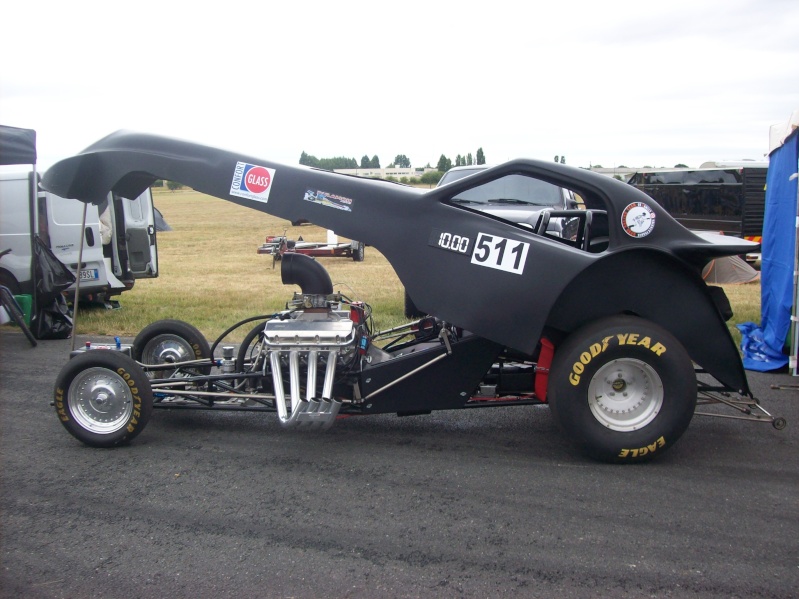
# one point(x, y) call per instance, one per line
point(623, 388)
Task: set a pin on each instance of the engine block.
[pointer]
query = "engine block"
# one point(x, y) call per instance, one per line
point(314, 341)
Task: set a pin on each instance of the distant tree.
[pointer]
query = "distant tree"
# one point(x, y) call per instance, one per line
point(431, 177)
point(622, 166)
point(375, 162)
point(365, 162)
point(404, 180)
point(681, 165)
point(173, 185)
point(444, 164)
point(308, 160)
point(402, 161)
point(597, 166)
point(469, 160)
point(481, 159)
point(557, 158)
point(459, 161)
point(563, 160)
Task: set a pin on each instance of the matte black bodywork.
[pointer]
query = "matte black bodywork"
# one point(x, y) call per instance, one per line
point(550, 287)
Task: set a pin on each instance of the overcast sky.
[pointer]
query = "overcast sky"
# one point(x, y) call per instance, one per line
point(613, 83)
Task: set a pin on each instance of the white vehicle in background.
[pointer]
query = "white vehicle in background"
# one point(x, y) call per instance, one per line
point(118, 237)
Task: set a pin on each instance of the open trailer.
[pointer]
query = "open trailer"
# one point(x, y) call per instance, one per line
point(613, 327)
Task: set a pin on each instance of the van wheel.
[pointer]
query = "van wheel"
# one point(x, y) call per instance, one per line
point(103, 398)
point(169, 342)
point(8, 280)
point(623, 388)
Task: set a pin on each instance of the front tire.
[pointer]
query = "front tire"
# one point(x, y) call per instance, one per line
point(623, 388)
point(103, 398)
point(170, 341)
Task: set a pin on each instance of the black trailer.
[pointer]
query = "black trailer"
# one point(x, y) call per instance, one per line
point(728, 200)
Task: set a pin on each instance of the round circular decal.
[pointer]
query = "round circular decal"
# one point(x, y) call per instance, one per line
point(257, 179)
point(638, 220)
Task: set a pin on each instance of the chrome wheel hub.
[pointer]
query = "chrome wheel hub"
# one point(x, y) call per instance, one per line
point(625, 395)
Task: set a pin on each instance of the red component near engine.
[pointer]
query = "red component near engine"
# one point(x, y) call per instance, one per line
point(542, 368)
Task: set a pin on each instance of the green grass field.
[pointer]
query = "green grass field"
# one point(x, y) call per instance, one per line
point(212, 277)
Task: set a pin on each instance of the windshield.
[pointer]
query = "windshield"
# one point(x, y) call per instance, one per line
point(513, 189)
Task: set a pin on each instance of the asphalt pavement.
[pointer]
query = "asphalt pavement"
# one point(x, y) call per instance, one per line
point(472, 503)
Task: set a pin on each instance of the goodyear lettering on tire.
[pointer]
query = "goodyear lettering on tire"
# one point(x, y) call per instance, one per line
point(134, 390)
point(596, 349)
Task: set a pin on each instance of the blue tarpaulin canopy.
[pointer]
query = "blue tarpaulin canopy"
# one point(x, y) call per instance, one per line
point(763, 346)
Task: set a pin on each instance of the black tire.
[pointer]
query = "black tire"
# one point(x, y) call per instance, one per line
point(411, 311)
point(8, 280)
point(623, 388)
point(359, 252)
point(169, 341)
point(11, 306)
point(248, 347)
point(103, 398)
point(253, 339)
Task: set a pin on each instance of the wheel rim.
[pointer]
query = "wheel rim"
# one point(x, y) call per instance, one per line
point(100, 401)
point(625, 394)
point(166, 349)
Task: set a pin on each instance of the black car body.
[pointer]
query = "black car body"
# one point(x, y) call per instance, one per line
point(605, 300)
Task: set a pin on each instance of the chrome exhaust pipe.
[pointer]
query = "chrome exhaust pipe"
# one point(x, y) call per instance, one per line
point(310, 412)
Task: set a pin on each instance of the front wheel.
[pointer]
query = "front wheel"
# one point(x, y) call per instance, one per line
point(169, 342)
point(103, 398)
point(623, 388)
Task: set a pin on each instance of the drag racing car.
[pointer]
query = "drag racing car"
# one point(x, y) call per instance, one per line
point(612, 327)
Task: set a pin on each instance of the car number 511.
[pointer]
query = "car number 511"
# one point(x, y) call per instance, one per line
point(500, 253)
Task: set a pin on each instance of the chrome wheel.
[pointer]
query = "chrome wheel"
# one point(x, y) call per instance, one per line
point(166, 349)
point(100, 400)
point(625, 394)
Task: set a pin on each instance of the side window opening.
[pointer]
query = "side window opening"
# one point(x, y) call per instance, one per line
point(556, 213)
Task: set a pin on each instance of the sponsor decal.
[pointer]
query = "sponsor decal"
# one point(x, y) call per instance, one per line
point(612, 340)
point(449, 241)
point(500, 253)
point(331, 200)
point(252, 182)
point(638, 220)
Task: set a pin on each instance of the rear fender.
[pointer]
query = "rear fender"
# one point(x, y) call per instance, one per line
point(659, 288)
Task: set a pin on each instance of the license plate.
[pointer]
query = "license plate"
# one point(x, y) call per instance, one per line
point(90, 274)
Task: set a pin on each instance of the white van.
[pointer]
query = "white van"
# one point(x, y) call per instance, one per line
point(115, 253)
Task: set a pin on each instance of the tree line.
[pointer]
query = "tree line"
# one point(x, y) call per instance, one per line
point(400, 161)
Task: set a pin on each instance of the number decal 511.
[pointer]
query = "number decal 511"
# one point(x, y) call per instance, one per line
point(500, 253)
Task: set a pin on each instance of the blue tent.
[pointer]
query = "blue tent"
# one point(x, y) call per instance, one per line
point(763, 346)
